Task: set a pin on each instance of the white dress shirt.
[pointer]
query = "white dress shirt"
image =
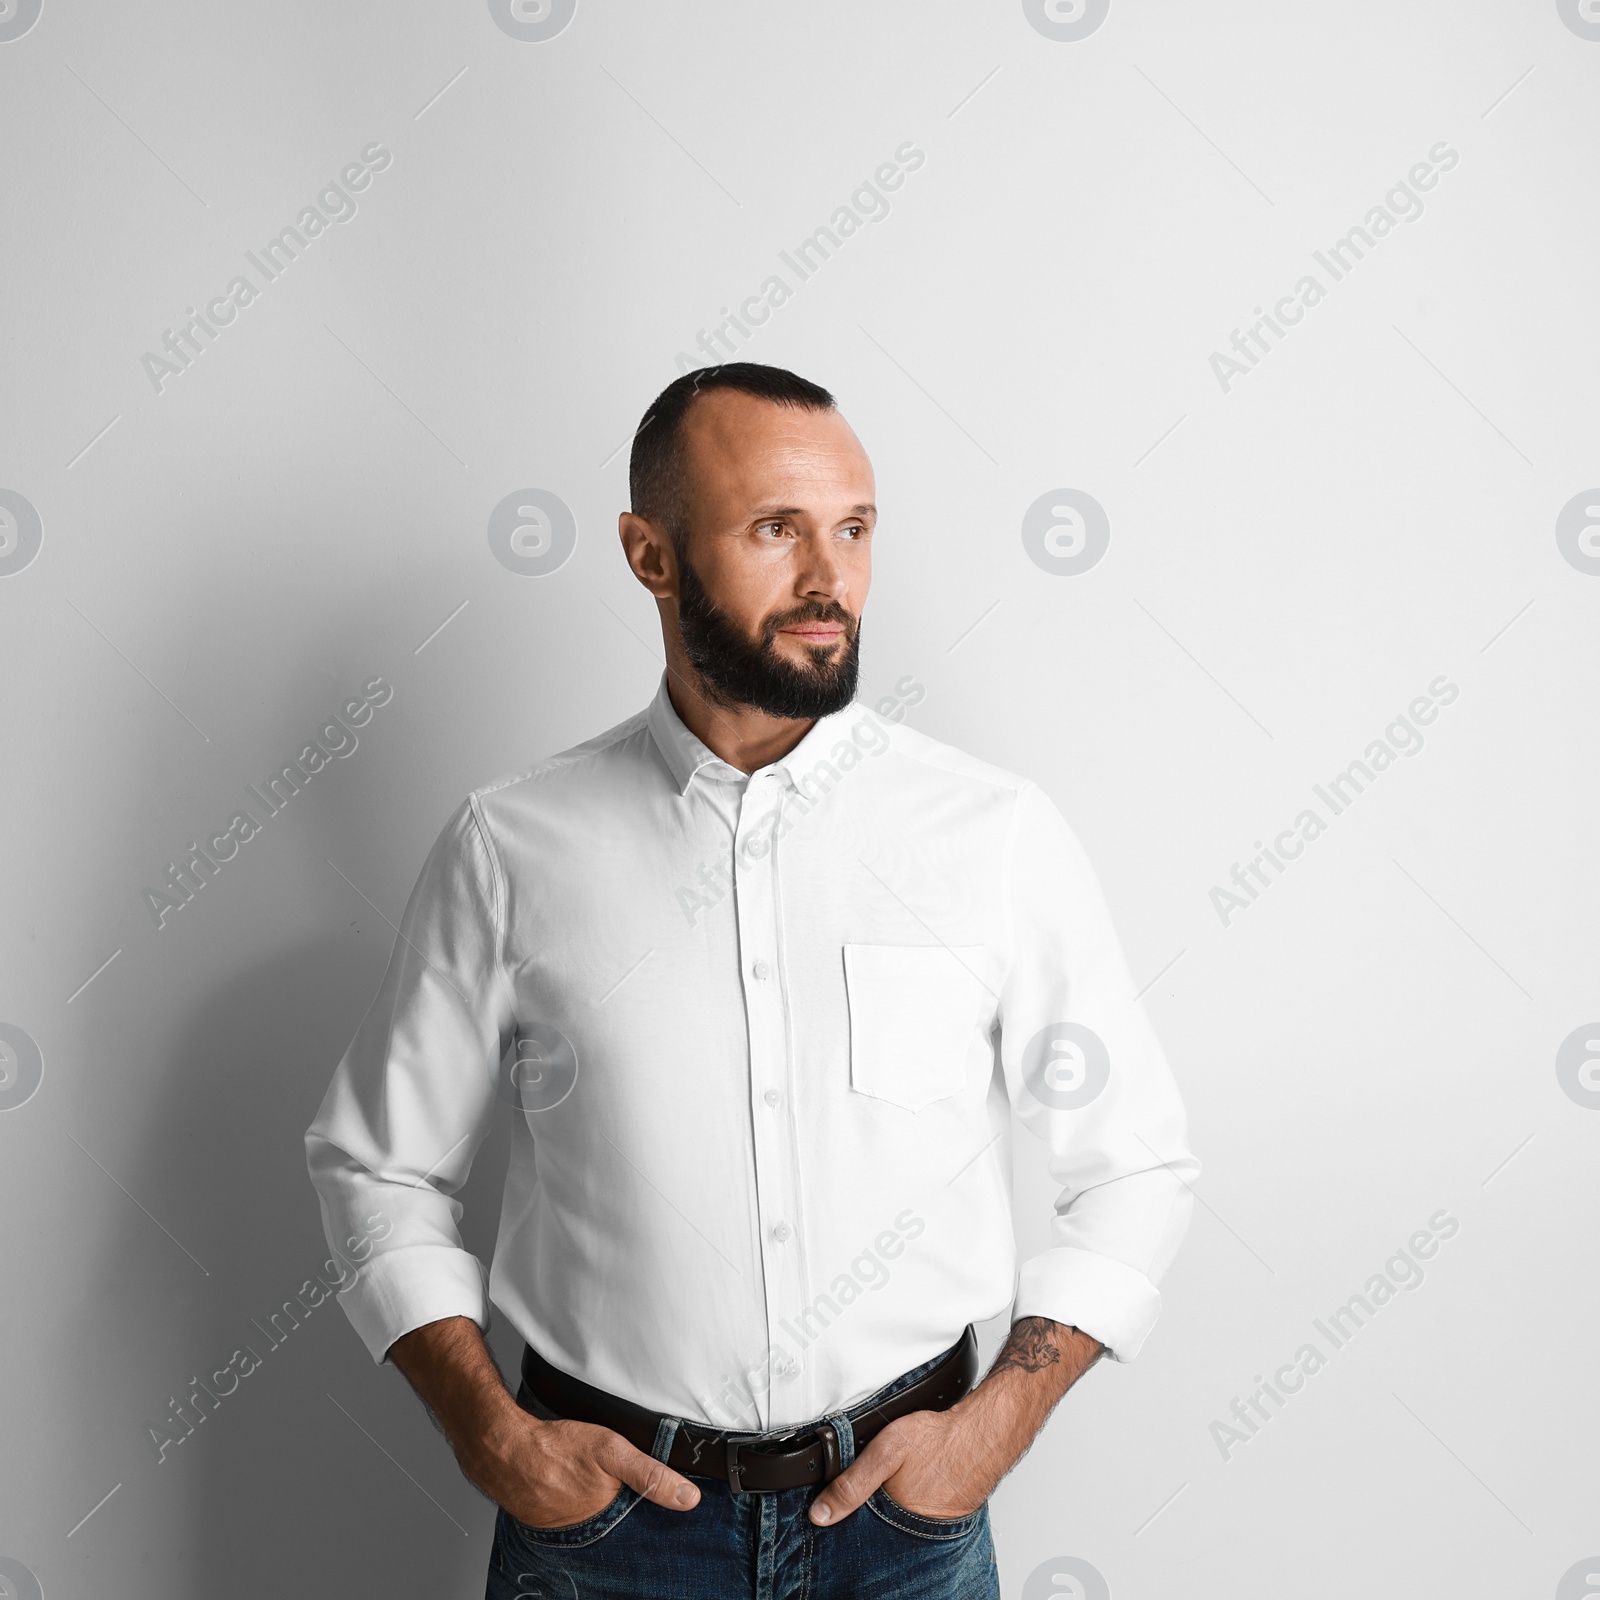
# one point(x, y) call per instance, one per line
point(759, 1038)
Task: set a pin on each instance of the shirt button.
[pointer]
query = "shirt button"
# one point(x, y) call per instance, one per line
point(781, 1232)
point(771, 1097)
point(762, 970)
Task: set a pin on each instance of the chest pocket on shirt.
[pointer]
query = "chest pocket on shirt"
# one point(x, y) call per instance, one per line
point(913, 1009)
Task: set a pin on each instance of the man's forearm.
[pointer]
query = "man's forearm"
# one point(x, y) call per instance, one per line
point(449, 1365)
point(1039, 1361)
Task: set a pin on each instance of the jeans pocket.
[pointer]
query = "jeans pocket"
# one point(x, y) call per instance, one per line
point(571, 1535)
point(919, 1526)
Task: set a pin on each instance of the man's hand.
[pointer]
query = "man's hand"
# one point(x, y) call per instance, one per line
point(546, 1474)
point(947, 1463)
point(928, 1463)
point(550, 1474)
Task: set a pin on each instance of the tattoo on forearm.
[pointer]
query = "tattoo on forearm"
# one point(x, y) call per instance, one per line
point(1030, 1347)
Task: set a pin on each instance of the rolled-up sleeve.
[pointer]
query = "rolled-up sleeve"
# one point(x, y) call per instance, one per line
point(1086, 1074)
point(412, 1100)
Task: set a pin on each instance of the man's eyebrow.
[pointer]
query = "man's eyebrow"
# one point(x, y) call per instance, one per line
point(800, 511)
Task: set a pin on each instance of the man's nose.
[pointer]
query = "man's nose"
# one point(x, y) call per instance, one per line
point(821, 572)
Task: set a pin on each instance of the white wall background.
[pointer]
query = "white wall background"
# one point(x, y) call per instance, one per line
point(1375, 504)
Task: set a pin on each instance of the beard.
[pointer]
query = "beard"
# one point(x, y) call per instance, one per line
point(743, 672)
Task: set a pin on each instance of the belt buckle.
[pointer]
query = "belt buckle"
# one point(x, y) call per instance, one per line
point(827, 1438)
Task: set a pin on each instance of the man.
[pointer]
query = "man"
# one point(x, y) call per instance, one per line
point(761, 978)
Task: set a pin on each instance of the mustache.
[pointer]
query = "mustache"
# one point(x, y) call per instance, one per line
point(811, 611)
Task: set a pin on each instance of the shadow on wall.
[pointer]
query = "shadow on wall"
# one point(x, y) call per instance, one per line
point(289, 1481)
point(199, 1109)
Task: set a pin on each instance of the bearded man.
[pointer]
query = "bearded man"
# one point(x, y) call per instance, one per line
point(761, 979)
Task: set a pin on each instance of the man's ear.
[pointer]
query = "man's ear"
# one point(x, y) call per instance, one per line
point(650, 553)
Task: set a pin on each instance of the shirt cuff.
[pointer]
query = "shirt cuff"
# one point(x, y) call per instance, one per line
point(407, 1288)
point(1109, 1300)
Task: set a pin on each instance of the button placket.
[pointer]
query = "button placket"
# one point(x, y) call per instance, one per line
point(757, 911)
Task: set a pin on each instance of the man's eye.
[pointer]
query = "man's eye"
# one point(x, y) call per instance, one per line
point(772, 528)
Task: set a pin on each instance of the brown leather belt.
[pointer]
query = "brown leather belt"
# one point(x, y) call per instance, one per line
point(748, 1463)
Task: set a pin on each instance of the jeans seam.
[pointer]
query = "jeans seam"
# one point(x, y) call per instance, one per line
point(949, 1529)
point(807, 1552)
point(541, 1536)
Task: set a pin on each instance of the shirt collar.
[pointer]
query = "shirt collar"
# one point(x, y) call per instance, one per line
point(823, 735)
point(683, 753)
point(686, 757)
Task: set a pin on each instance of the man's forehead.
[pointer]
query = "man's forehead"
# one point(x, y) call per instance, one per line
point(742, 439)
point(742, 424)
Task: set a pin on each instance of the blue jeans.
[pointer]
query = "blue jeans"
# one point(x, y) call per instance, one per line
point(763, 1546)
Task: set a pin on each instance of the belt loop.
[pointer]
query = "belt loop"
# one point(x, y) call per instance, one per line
point(666, 1432)
point(839, 1427)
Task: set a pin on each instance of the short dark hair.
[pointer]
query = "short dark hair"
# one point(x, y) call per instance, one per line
point(656, 469)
